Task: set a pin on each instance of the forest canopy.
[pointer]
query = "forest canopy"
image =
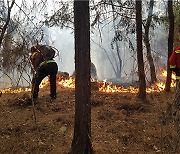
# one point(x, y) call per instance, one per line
point(112, 36)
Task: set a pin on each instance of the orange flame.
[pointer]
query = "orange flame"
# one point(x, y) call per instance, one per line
point(44, 83)
point(156, 87)
point(67, 83)
point(103, 86)
point(10, 90)
point(109, 88)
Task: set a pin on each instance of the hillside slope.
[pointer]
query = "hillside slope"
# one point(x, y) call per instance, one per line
point(120, 123)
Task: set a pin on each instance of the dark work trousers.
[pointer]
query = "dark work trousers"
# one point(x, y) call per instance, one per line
point(45, 70)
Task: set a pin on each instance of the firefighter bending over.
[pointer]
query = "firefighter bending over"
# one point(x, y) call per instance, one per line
point(44, 65)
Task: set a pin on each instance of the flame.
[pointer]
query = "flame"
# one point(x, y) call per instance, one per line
point(103, 86)
point(164, 73)
point(109, 88)
point(156, 87)
point(10, 90)
point(67, 83)
point(44, 83)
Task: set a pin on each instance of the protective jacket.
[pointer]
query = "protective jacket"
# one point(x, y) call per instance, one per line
point(37, 58)
point(44, 65)
point(174, 62)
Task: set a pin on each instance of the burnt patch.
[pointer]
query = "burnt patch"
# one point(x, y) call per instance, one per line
point(21, 102)
point(127, 138)
point(106, 115)
point(63, 121)
point(129, 108)
point(56, 109)
point(95, 103)
point(40, 109)
point(11, 131)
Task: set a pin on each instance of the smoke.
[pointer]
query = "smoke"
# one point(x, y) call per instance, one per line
point(103, 56)
point(63, 40)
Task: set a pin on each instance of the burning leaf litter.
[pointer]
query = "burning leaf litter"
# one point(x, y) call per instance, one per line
point(102, 86)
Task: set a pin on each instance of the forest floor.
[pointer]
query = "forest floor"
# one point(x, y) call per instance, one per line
point(120, 123)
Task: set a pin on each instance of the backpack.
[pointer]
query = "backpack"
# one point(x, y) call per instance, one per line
point(41, 53)
point(47, 52)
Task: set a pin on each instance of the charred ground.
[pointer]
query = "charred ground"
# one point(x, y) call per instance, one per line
point(120, 123)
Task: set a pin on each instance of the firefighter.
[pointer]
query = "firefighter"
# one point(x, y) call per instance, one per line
point(43, 67)
point(174, 62)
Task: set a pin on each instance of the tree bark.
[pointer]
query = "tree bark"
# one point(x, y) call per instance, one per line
point(81, 143)
point(140, 61)
point(7, 22)
point(147, 43)
point(170, 43)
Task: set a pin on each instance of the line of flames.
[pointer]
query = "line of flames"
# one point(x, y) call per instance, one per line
point(103, 86)
point(156, 87)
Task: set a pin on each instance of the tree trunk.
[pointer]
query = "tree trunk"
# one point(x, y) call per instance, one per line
point(170, 43)
point(147, 43)
point(140, 61)
point(176, 22)
point(81, 143)
point(7, 22)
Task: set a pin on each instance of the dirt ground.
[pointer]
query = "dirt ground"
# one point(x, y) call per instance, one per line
point(120, 123)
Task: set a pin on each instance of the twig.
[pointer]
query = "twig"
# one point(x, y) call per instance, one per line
point(34, 113)
point(33, 105)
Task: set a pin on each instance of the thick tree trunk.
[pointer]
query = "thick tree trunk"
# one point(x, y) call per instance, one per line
point(81, 143)
point(147, 44)
point(140, 61)
point(170, 43)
